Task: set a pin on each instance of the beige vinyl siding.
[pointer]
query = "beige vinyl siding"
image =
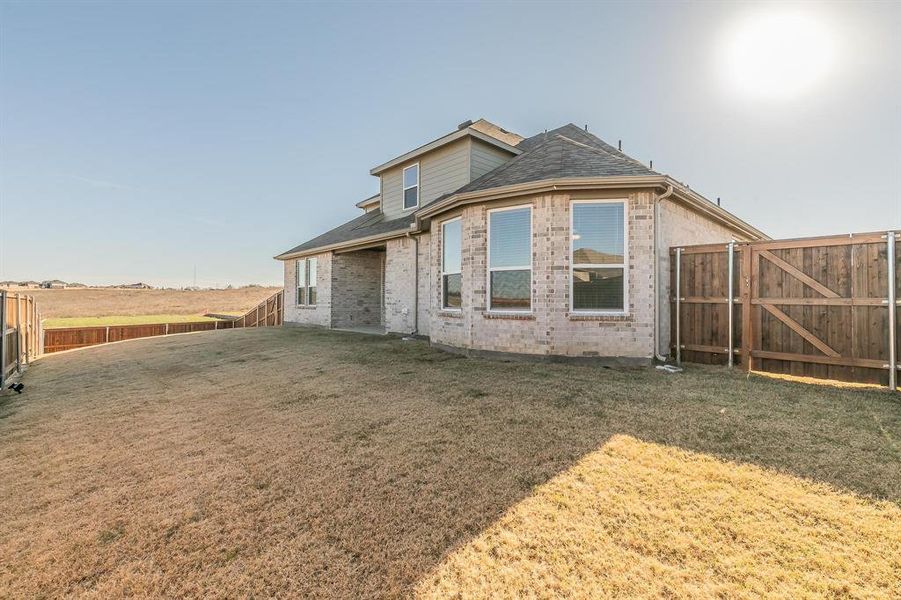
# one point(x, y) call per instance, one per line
point(486, 158)
point(440, 171)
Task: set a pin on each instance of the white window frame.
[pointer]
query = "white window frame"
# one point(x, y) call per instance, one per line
point(443, 272)
point(300, 263)
point(624, 265)
point(404, 187)
point(306, 277)
point(489, 270)
point(312, 283)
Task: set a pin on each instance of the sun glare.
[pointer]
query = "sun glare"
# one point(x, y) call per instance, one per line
point(776, 55)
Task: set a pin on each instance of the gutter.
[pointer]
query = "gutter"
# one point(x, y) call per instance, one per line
point(680, 192)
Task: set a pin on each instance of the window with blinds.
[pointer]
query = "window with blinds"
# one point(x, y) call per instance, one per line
point(599, 258)
point(452, 264)
point(510, 259)
point(305, 269)
point(301, 279)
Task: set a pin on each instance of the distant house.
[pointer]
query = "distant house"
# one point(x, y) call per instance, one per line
point(555, 244)
point(53, 284)
point(136, 286)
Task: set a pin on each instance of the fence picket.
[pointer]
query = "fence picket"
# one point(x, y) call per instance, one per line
point(831, 306)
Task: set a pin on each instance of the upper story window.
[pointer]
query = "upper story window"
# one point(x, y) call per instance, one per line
point(599, 256)
point(411, 187)
point(306, 281)
point(510, 259)
point(451, 264)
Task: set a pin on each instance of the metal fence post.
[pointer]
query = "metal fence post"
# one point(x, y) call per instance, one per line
point(892, 314)
point(18, 333)
point(678, 291)
point(2, 339)
point(731, 304)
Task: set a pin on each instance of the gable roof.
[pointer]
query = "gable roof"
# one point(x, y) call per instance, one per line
point(481, 130)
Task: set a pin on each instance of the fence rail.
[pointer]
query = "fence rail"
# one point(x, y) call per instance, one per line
point(20, 333)
point(267, 313)
point(822, 307)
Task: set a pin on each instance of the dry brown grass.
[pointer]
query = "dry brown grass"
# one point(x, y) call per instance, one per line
point(635, 519)
point(309, 463)
point(101, 302)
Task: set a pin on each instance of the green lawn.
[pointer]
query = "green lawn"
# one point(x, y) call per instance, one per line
point(123, 320)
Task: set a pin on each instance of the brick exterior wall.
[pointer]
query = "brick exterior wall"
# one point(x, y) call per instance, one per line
point(356, 288)
point(425, 284)
point(680, 226)
point(350, 284)
point(400, 281)
point(551, 328)
point(320, 314)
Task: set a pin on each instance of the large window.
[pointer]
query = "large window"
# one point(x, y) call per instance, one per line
point(510, 259)
point(306, 281)
point(451, 264)
point(411, 186)
point(599, 258)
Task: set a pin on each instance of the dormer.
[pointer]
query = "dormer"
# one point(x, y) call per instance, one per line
point(421, 176)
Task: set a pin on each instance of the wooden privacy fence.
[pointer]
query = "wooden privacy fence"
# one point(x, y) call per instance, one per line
point(822, 307)
point(20, 333)
point(269, 313)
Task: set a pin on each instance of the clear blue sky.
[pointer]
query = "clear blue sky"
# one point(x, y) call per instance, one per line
point(138, 140)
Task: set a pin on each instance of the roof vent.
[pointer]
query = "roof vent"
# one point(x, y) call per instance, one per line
point(464, 124)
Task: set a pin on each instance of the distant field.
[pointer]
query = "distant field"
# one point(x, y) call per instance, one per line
point(97, 302)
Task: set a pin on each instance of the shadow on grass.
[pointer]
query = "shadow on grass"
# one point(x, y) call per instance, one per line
point(347, 465)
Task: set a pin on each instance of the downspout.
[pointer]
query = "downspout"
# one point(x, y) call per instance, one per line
point(664, 196)
point(415, 283)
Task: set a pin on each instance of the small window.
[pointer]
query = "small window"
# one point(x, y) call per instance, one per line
point(510, 259)
point(451, 264)
point(599, 256)
point(311, 281)
point(411, 186)
point(306, 281)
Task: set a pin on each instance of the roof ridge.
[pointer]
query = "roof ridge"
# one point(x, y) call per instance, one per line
point(606, 147)
point(617, 155)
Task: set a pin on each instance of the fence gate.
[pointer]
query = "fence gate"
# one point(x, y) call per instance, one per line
point(817, 307)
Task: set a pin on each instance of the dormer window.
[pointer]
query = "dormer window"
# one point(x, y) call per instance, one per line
point(411, 187)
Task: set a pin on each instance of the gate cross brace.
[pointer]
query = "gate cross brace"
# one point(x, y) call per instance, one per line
point(799, 329)
point(798, 274)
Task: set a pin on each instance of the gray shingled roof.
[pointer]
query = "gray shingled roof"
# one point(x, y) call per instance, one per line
point(364, 226)
point(565, 152)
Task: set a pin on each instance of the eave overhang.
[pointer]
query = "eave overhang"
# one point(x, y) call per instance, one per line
point(657, 182)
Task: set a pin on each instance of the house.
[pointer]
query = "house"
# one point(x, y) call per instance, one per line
point(485, 241)
point(136, 286)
